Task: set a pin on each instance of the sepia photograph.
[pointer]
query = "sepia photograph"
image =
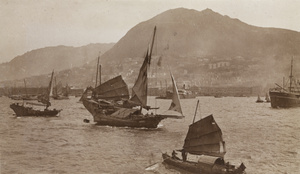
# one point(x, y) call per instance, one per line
point(149, 87)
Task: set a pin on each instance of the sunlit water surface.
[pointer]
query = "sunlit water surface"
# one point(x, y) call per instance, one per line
point(266, 140)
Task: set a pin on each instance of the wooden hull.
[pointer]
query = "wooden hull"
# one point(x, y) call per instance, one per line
point(28, 111)
point(135, 121)
point(60, 97)
point(201, 168)
point(284, 99)
point(180, 96)
point(146, 122)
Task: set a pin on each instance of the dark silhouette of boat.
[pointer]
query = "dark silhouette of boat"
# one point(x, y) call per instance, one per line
point(110, 103)
point(26, 109)
point(204, 139)
point(282, 97)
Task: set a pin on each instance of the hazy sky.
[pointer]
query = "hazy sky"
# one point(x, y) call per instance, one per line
point(31, 24)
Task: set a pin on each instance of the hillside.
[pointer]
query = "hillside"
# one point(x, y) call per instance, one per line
point(206, 48)
point(44, 60)
point(187, 33)
point(201, 48)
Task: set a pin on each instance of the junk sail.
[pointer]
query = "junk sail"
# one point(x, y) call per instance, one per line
point(140, 88)
point(175, 105)
point(204, 137)
point(46, 97)
point(113, 89)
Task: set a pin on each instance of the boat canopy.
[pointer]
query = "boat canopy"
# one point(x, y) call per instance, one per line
point(35, 104)
point(113, 89)
point(204, 137)
point(124, 112)
point(210, 160)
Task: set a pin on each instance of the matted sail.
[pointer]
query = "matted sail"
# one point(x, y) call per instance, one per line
point(50, 87)
point(140, 88)
point(204, 137)
point(59, 88)
point(175, 105)
point(113, 89)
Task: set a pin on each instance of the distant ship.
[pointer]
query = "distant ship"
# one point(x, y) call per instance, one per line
point(183, 94)
point(286, 97)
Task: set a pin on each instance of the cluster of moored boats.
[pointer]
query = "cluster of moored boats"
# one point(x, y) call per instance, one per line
point(110, 104)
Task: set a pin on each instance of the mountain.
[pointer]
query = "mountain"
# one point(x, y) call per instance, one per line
point(202, 48)
point(185, 32)
point(44, 60)
point(191, 42)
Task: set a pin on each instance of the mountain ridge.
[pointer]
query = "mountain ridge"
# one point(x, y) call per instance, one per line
point(205, 48)
point(44, 60)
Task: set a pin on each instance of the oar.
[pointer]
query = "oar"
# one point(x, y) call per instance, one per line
point(153, 166)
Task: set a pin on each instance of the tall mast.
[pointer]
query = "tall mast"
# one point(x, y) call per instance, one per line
point(55, 86)
point(196, 111)
point(291, 76)
point(25, 88)
point(152, 42)
point(97, 71)
point(99, 74)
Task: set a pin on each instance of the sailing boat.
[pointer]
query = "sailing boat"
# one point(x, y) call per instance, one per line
point(28, 97)
point(204, 138)
point(286, 98)
point(259, 100)
point(111, 105)
point(267, 98)
point(24, 110)
point(58, 91)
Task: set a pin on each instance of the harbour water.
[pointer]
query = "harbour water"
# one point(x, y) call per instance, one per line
point(266, 140)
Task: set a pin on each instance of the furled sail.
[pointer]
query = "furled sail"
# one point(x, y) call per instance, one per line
point(113, 89)
point(204, 137)
point(175, 105)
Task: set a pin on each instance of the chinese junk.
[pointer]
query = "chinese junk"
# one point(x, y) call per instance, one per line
point(286, 98)
point(204, 138)
point(25, 109)
point(110, 103)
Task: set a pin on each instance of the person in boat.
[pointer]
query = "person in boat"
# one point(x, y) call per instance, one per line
point(184, 155)
point(174, 155)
